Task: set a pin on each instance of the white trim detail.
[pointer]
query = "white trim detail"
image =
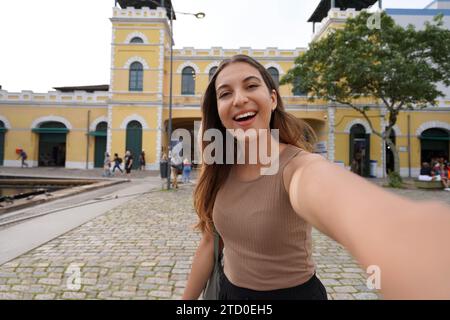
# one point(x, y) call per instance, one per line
point(6, 122)
point(188, 64)
point(136, 59)
point(76, 165)
point(97, 121)
point(274, 65)
point(431, 125)
point(136, 34)
point(40, 120)
point(211, 65)
point(18, 163)
point(134, 117)
point(331, 136)
point(358, 121)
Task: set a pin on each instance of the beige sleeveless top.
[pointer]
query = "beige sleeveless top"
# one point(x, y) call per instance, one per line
point(267, 245)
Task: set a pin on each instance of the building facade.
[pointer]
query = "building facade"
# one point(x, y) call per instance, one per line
point(73, 127)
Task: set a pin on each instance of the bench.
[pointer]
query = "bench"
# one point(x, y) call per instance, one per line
point(428, 184)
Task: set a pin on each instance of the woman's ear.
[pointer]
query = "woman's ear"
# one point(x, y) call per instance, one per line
point(274, 98)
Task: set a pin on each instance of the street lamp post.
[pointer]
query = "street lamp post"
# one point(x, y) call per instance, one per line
point(199, 15)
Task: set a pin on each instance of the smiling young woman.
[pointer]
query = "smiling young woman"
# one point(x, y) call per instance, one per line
point(265, 221)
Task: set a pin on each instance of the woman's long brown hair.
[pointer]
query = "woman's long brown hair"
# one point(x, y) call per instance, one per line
point(291, 131)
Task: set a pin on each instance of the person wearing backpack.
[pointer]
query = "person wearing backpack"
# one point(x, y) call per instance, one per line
point(117, 163)
point(23, 156)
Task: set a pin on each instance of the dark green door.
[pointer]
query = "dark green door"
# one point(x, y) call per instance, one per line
point(359, 157)
point(100, 144)
point(134, 141)
point(52, 144)
point(2, 142)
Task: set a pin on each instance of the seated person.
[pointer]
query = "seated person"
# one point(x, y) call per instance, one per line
point(436, 172)
point(425, 172)
point(444, 176)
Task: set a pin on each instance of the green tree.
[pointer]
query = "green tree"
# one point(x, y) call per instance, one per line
point(398, 67)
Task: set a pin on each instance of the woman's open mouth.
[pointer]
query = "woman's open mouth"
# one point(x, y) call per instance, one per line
point(245, 119)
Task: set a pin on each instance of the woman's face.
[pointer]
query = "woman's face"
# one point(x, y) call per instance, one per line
point(243, 99)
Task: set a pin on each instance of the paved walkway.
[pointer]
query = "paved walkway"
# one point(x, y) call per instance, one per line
point(143, 249)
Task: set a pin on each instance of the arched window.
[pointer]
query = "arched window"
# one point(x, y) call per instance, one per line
point(136, 76)
point(296, 90)
point(275, 75)
point(137, 40)
point(188, 81)
point(211, 72)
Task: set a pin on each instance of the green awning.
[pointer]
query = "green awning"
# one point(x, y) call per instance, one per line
point(97, 133)
point(3, 130)
point(50, 130)
point(435, 138)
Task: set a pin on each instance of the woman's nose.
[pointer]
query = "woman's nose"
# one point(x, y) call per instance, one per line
point(239, 98)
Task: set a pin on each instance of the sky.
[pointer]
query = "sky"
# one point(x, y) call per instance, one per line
point(55, 43)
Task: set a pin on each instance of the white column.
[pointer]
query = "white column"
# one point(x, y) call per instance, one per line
point(331, 136)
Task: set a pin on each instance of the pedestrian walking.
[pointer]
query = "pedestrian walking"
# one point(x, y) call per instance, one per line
point(107, 165)
point(176, 162)
point(187, 167)
point(117, 162)
point(23, 156)
point(128, 162)
point(142, 160)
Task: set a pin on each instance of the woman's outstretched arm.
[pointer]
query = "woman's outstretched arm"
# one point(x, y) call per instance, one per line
point(407, 240)
point(202, 267)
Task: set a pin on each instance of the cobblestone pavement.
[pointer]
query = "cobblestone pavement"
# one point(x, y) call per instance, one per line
point(143, 250)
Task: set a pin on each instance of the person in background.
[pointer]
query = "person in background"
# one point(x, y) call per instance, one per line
point(142, 161)
point(107, 165)
point(128, 162)
point(436, 171)
point(117, 163)
point(23, 156)
point(176, 162)
point(444, 175)
point(425, 172)
point(187, 167)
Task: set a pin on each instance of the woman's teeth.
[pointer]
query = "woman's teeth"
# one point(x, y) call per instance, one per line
point(244, 116)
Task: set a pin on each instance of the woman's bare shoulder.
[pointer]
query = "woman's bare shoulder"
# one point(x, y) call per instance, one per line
point(297, 163)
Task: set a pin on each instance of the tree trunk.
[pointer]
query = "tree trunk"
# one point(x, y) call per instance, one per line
point(395, 153)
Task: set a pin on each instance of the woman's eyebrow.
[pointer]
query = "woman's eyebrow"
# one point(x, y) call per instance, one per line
point(245, 80)
point(252, 78)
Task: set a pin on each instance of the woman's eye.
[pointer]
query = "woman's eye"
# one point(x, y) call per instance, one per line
point(224, 94)
point(252, 86)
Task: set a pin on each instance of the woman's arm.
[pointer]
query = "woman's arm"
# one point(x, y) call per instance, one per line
point(407, 240)
point(202, 267)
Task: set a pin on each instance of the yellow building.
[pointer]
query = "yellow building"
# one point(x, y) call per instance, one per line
point(72, 127)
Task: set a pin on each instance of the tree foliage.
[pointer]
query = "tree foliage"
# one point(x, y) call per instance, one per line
point(397, 67)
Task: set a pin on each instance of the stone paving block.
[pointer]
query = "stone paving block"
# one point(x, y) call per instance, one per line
point(342, 296)
point(50, 281)
point(74, 295)
point(330, 282)
point(352, 281)
point(160, 294)
point(45, 296)
point(366, 296)
point(344, 289)
point(9, 296)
